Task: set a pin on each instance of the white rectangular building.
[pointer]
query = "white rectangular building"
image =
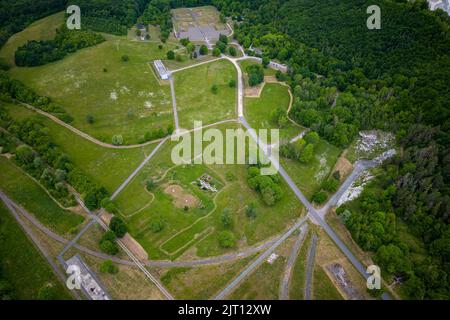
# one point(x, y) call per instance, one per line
point(164, 74)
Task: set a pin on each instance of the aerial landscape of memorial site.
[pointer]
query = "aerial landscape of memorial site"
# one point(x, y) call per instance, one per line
point(96, 95)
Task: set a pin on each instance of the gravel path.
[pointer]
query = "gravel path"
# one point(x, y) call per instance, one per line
point(174, 103)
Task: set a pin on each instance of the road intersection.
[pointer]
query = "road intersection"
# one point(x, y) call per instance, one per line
point(317, 216)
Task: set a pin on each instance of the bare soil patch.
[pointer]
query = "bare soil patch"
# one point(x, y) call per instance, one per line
point(344, 166)
point(134, 247)
point(254, 92)
point(270, 79)
point(181, 198)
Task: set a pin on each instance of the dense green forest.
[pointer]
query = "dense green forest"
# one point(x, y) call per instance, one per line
point(346, 78)
point(112, 16)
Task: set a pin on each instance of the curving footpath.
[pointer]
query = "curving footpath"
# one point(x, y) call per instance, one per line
point(150, 263)
point(316, 216)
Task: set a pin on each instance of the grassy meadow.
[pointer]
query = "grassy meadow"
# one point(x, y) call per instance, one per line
point(43, 29)
point(22, 264)
point(310, 176)
point(32, 197)
point(258, 110)
point(108, 167)
point(123, 97)
point(195, 99)
point(196, 230)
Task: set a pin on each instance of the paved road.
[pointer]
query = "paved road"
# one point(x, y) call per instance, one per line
point(230, 287)
point(174, 103)
point(13, 208)
point(286, 280)
point(358, 169)
point(312, 213)
point(310, 267)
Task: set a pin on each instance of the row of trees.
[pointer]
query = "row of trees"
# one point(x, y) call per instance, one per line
point(113, 16)
point(36, 53)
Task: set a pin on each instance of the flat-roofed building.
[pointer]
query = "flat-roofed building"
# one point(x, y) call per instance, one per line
point(278, 66)
point(164, 74)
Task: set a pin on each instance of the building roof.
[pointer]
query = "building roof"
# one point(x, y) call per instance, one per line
point(161, 68)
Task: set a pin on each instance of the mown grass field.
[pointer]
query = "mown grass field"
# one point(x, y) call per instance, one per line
point(323, 288)
point(22, 264)
point(297, 285)
point(310, 176)
point(195, 232)
point(24, 191)
point(195, 99)
point(108, 167)
point(44, 29)
point(122, 97)
point(258, 110)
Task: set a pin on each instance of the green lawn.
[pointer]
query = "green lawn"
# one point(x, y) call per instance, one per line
point(258, 110)
point(44, 29)
point(23, 190)
point(108, 167)
point(309, 177)
point(22, 264)
point(323, 288)
point(199, 227)
point(195, 99)
point(123, 97)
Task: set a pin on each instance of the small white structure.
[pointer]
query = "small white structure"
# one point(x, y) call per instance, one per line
point(164, 74)
point(271, 259)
